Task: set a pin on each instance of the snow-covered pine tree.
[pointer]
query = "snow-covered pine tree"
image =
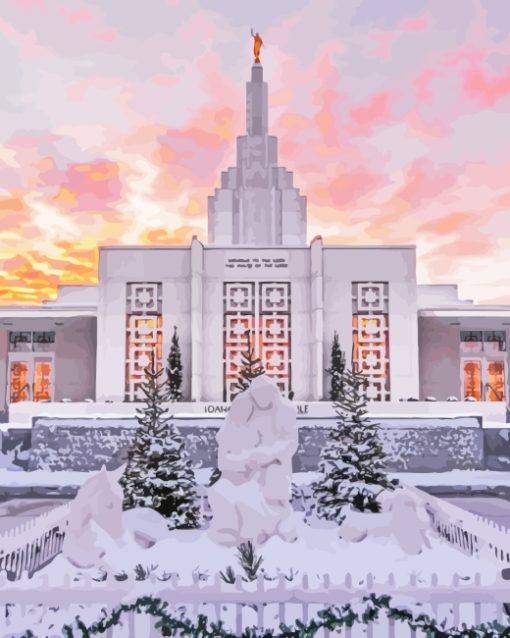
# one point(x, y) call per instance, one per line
point(174, 369)
point(336, 368)
point(352, 463)
point(158, 473)
point(251, 366)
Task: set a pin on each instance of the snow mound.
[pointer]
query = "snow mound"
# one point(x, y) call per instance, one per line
point(147, 526)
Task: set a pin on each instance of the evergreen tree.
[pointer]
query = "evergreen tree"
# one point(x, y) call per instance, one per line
point(174, 369)
point(158, 473)
point(336, 369)
point(352, 463)
point(251, 366)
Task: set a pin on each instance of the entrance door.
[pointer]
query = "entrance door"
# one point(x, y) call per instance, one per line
point(30, 377)
point(483, 379)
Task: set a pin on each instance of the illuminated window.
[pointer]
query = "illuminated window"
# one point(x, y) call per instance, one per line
point(30, 378)
point(264, 309)
point(144, 334)
point(370, 337)
point(483, 365)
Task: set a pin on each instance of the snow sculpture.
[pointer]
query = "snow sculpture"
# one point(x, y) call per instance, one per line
point(97, 508)
point(408, 527)
point(251, 500)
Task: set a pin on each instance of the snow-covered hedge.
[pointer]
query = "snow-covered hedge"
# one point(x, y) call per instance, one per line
point(87, 444)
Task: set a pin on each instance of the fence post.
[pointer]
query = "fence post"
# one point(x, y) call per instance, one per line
point(239, 607)
point(305, 604)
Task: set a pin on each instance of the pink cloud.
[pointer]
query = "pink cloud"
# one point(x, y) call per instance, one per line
point(76, 91)
point(375, 112)
point(76, 17)
point(424, 181)
point(384, 42)
point(486, 88)
point(26, 42)
point(106, 36)
point(31, 4)
point(414, 25)
point(163, 79)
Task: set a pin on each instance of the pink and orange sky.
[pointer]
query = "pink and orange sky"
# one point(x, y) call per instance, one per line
point(118, 116)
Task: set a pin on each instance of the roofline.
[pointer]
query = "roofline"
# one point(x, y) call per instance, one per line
point(468, 311)
point(43, 312)
point(262, 247)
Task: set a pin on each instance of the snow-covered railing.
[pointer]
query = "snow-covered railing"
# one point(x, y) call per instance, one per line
point(261, 603)
point(31, 545)
point(471, 533)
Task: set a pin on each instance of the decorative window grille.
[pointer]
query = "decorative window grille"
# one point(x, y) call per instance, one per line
point(264, 309)
point(37, 341)
point(143, 334)
point(370, 337)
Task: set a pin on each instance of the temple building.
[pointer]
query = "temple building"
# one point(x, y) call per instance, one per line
point(256, 272)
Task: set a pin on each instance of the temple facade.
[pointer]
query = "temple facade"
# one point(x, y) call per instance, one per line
point(256, 273)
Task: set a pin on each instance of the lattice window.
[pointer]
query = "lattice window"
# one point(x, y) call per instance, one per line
point(264, 309)
point(144, 334)
point(370, 336)
point(483, 365)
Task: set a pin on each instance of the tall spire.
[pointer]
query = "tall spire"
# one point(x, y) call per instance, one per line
point(257, 204)
point(256, 102)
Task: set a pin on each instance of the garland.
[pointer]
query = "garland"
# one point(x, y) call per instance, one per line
point(333, 619)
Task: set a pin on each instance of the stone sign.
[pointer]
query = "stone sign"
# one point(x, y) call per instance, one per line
point(260, 264)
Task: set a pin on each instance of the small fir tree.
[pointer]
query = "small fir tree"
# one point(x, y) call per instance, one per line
point(336, 369)
point(174, 369)
point(352, 463)
point(251, 366)
point(158, 473)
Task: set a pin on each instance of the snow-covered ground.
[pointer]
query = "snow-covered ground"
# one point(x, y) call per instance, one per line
point(317, 551)
point(18, 477)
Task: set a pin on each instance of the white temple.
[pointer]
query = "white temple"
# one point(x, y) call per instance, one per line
point(257, 272)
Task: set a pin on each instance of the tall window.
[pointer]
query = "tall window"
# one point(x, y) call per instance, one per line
point(143, 334)
point(264, 309)
point(370, 336)
point(31, 366)
point(483, 365)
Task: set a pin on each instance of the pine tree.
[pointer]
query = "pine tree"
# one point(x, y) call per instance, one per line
point(174, 369)
point(352, 463)
point(158, 473)
point(251, 366)
point(336, 369)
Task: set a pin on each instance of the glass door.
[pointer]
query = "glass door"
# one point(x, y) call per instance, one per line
point(43, 379)
point(19, 381)
point(30, 377)
point(472, 384)
point(484, 379)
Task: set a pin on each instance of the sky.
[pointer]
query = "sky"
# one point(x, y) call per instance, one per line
point(117, 117)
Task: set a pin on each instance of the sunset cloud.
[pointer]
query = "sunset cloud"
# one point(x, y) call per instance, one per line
point(117, 125)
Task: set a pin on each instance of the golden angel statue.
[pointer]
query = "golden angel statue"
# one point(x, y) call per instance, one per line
point(257, 43)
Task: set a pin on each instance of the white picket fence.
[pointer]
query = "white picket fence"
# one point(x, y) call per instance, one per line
point(261, 603)
point(471, 533)
point(31, 545)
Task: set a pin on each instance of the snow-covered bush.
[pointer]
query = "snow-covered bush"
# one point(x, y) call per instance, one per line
point(352, 463)
point(158, 473)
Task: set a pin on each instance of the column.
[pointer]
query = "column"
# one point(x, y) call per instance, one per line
point(197, 267)
point(317, 315)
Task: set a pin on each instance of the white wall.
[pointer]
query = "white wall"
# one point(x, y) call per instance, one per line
point(395, 265)
point(75, 359)
point(119, 266)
